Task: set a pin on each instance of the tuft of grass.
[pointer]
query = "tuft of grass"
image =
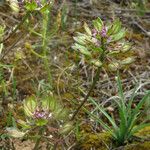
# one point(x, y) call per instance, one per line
point(127, 126)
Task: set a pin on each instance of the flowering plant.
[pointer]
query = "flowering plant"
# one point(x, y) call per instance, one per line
point(108, 39)
point(102, 46)
point(31, 5)
point(44, 114)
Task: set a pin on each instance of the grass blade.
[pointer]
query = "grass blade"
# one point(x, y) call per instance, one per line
point(104, 113)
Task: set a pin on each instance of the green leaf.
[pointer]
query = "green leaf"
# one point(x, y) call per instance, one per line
point(120, 89)
point(104, 113)
point(82, 49)
point(118, 36)
point(48, 103)
point(97, 49)
point(87, 29)
point(14, 5)
point(122, 106)
point(23, 124)
point(123, 123)
point(126, 47)
point(114, 52)
point(141, 103)
point(14, 132)
point(114, 66)
point(80, 40)
point(136, 111)
point(44, 8)
point(60, 113)
point(103, 124)
point(30, 105)
point(66, 128)
point(41, 122)
point(98, 23)
point(116, 27)
point(1, 48)
point(131, 101)
point(31, 6)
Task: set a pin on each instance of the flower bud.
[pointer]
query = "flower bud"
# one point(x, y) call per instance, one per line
point(126, 48)
point(97, 63)
point(127, 61)
point(114, 66)
point(66, 128)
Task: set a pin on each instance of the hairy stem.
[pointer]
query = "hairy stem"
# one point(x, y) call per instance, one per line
point(96, 77)
point(39, 138)
point(44, 43)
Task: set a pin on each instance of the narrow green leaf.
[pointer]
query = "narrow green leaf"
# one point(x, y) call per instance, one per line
point(30, 105)
point(131, 101)
point(31, 6)
point(41, 122)
point(98, 23)
point(82, 49)
point(140, 104)
point(80, 40)
point(87, 29)
point(118, 36)
point(104, 125)
point(104, 113)
point(116, 27)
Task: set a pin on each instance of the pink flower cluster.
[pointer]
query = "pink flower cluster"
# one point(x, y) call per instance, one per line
point(41, 114)
point(38, 2)
point(103, 32)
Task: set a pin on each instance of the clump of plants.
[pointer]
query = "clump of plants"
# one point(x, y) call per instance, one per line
point(42, 114)
point(104, 43)
point(126, 125)
point(44, 117)
point(103, 46)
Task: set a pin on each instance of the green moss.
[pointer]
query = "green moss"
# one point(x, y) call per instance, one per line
point(102, 141)
point(143, 143)
point(99, 141)
point(145, 132)
point(138, 146)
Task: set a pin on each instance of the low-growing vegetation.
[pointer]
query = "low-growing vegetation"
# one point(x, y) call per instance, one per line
point(74, 75)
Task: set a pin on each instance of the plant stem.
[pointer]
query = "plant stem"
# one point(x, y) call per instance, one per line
point(39, 139)
point(44, 43)
point(96, 77)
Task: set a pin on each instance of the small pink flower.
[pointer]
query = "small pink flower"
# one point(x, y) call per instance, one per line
point(94, 32)
point(41, 114)
point(103, 32)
